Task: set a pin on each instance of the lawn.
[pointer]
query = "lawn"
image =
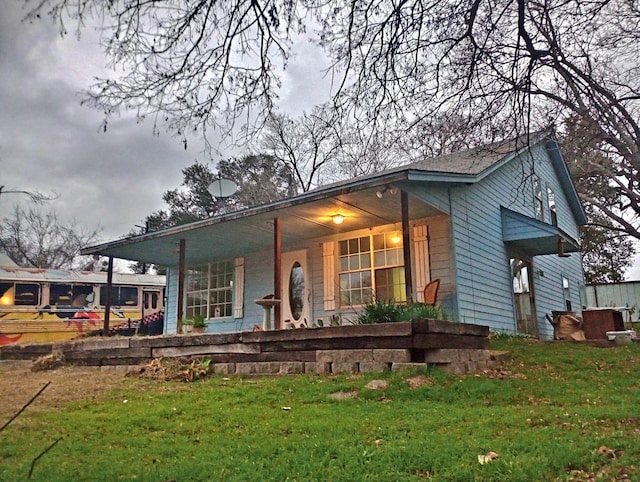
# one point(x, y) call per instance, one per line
point(554, 411)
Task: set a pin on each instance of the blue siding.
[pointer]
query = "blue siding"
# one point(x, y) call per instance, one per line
point(481, 259)
point(466, 252)
point(437, 195)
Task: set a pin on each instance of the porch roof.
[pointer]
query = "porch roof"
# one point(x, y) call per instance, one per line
point(304, 217)
point(531, 237)
point(308, 216)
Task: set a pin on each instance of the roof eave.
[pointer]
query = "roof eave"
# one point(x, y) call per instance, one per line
point(307, 197)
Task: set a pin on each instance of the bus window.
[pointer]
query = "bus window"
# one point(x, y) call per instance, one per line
point(19, 294)
point(67, 294)
point(151, 298)
point(120, 295)
point(60, 294)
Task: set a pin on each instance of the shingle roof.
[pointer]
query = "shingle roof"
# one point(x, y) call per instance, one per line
point(471, 162)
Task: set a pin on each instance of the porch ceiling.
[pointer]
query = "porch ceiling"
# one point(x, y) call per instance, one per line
point(238, 233)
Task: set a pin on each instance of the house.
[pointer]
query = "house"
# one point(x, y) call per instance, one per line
point(497, 225)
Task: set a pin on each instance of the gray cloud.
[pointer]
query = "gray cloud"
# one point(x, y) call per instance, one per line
point(49, 142)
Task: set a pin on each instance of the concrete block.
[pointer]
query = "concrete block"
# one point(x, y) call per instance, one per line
point(392, 355)
point(344, 356)
point(457, 368)
point(407, 366)
point(224, 368)
point(366, 367)
point(317, 368)
point(450, 355)
point(479, 355)
point(257, 368)
point(290, 368)
point(344, 367)
point(99, 344)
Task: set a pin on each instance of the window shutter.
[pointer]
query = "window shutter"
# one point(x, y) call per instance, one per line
point(421, 251)
point(328, 270)
point(238, 295)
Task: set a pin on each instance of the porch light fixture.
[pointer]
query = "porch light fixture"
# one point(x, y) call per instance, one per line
point(395, 237)
point(390, 189)
point(337, 218)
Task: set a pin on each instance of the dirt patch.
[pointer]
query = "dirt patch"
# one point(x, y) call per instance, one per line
point(18, 384)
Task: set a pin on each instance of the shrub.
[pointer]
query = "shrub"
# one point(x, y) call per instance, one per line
point(379, 311)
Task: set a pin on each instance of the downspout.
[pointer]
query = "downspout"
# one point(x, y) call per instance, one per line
point(406, 246)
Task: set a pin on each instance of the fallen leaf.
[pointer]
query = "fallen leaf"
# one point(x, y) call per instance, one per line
point(423, 473)
point(488, 457)
point(377, 385)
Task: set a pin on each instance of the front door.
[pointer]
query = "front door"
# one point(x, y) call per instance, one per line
point(295, 309)
point(523, 296)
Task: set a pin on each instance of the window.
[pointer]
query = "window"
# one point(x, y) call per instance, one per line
point(537, 198)
point(70, 295)
point(567, 293)
point(552, 206)
point(372, 267)
point(209, 290)
point(154, 300)
point(120, 295)
point(19, 294)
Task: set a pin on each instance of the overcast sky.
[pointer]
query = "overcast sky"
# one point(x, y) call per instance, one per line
point(50, 143)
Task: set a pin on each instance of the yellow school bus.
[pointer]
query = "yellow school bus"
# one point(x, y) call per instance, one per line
point(45, 305)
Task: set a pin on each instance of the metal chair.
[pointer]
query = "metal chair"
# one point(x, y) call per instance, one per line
point(431, 292)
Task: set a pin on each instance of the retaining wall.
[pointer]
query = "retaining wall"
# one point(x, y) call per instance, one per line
point(456, 347)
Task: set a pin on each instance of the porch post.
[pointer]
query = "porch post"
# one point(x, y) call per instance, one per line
point(406, 245)
point(181, 271)
point(107, 302)
point(277, 271)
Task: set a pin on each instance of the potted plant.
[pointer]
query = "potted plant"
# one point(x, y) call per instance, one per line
point(199, 324)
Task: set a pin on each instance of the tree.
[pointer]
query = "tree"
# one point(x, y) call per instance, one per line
point(33, 238)
point(607, 251)
point(260, 178)
point(192, 202)
point(193, 65)
point(35, 196)
point(606, 255)
point(306, 145)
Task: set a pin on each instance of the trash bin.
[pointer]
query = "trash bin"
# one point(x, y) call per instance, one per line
point(596, 323)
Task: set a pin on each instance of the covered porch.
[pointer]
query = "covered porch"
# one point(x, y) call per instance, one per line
point(317, 258)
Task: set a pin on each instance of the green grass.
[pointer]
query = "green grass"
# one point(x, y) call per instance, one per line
point(545, 413)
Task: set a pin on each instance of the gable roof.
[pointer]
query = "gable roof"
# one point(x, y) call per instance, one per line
point(303, 211)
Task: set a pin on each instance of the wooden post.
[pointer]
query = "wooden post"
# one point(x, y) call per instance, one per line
point(181, 272)
point(406, 245)
point(107, 302)
point(277, 271)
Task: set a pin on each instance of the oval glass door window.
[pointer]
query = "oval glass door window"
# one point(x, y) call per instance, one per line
point(296, 291)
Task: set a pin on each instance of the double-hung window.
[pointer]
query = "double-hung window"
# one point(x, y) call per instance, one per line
point(210, 290)
point(371, 267)
point(553, 211)
point(537, 198)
